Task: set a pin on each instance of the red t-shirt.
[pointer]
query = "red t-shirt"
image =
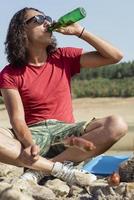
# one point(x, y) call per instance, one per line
point(45, 90)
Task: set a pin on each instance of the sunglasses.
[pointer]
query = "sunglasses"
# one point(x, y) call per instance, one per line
point(39, 19)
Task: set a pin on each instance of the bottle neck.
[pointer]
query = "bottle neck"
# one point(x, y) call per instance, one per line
point(55, 26)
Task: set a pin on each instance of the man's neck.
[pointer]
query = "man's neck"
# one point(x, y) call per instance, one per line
point(37, 56)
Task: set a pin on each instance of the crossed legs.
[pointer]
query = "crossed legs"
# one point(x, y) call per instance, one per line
point(10, 151)
point(102, 132)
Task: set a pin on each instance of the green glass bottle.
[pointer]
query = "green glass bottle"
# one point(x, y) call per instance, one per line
point(69, 18)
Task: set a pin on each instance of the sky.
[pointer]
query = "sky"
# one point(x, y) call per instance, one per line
point(112, 20)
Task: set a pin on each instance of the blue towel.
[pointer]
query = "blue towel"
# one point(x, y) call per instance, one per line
point(104, 165)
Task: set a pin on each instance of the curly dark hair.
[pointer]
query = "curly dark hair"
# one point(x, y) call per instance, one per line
point(16, 40)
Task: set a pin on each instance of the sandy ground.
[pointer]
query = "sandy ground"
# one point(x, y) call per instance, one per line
point(87, 108)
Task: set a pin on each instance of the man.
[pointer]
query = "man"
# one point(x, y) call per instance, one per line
point(36, 91)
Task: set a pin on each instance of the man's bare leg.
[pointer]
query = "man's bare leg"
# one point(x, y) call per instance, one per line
point(10, 150)
point(103, 133)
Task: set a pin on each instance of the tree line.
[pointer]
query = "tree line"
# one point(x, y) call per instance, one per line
point(109, 81)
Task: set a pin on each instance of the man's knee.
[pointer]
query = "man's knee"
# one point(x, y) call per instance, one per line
point(116, 127)
point(5, 136)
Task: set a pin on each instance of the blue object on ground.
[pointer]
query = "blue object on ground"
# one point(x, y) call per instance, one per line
point(104, 165)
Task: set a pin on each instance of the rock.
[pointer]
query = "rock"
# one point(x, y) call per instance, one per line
point(84, 179)
point(130, 187)
point(4, 186)
point(22, 185)
point(75, 191)
point(10, 171)
point(121, 189)
point(12, 194)
point(100, 190)
point(13, 188)
point(126, 170)
point(59, 187)
point(130, 191)
point(33, 189)
point(41, 193)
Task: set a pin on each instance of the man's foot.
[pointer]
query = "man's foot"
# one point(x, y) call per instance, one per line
point(71, 175)
point(32, 175)
point(63, 171)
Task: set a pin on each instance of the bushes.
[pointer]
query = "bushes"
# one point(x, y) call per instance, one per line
point(117, 71)
point(109, 81)
point(101, 87)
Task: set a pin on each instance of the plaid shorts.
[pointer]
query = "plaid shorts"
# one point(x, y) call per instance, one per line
point(49, 132)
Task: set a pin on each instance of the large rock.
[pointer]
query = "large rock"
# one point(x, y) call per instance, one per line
point(31, 188)
point(126, 170)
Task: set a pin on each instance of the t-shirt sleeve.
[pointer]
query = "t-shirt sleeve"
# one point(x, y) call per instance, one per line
point(72, 59)
point(7, 79)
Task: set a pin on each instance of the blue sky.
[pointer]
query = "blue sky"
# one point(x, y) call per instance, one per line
point(112, 20)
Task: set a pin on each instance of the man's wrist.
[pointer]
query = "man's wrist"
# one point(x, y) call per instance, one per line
point(27, 143)
point(81, 33)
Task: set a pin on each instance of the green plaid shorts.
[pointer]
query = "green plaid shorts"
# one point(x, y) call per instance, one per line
point(49, 132)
